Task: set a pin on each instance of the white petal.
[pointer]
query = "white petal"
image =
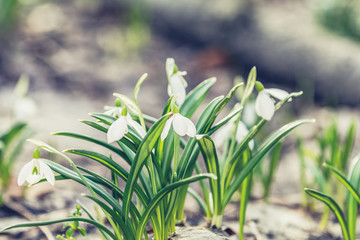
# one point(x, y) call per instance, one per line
point(33, 178)
point(166, 128)
point(179, 124)
point(222, 134)
point(47, 172)
point(170, 93)
point(277, 93)
point(136, 126)
point(25, 171)
point(113, 111)
point(24, 108)
point(117, 130)
point(178, 87)
point(242, 131)
point(191, 129)
point(264, 106)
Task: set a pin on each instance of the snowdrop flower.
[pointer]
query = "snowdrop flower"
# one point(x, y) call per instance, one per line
point(177, 83)
point(24, 108)
point(265, 104)
point(224, 132)
point(120, 127)
point(181, 125)
point(35, 170)
point(114, 111)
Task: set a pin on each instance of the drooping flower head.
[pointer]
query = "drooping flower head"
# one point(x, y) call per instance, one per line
point(35, 170)
point(23, 107)
point(177, 83)
point(181, 125)
point(114, 111)
point(119, 128)
point(225, 131)
point(265, 103)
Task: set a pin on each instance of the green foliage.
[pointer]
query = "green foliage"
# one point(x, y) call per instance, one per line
point(348, 226)
point(340, 17)
point(162, 160)
point(72, 227)
point(334, 151)
point(11, 143)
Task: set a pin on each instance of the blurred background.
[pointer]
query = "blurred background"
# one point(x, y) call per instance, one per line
point(76, 53)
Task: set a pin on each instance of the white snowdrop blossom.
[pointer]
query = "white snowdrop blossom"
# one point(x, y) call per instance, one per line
point(224, 132)
point(181, 125)
point(177, 85)
point(113, 111)
point(265, 104)
point(119, 128)
point(34, 171)
point(24, 108)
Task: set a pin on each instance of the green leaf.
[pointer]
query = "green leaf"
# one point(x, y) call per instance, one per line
point(352, 204)
point(208, 151)
point(169, 105)
point(250, 83)
point(96, 141)
point(130, 104)
point(161, 195)
point(345, 155)
point(12, 133)
point(138, 85)
point(205, 121)
point(70, 219)
point(142, 154)
point(196, 97)
point(263, 149)
point(224, 121)
point(245, 189)
point(344, 181)
point(334, 207)
point(67, 173)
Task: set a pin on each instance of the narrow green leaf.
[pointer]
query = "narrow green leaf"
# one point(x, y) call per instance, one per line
point(275, 156)
point(70, 219)
point(345, 155)
point(169, 104)
point(138, 85)
point(160, 195)
point(245, 189)
point(334, 207)
point(352, 204)
point(130, 104)
point(142, 154)
point(224, 121)
point(344, 181)
point(128, 232)
point(208, 151)
point(264, 148)
point(196, 97)
point(12, 133)
point(250, 83)
point(96, 141)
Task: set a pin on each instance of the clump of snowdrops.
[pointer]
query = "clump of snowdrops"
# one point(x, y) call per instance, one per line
point(163, 155)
